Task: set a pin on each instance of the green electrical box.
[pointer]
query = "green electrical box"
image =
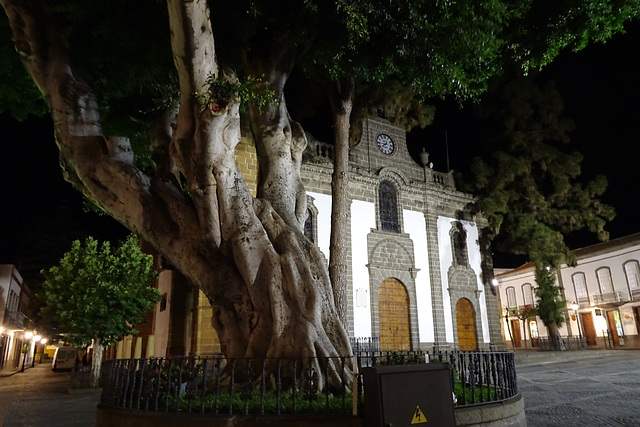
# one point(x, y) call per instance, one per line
point(408, 395)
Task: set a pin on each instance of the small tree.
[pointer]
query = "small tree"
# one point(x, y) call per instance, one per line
point(99, 295)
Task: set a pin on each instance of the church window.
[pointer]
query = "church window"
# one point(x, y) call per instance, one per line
point(459, 243)
point(388, 205)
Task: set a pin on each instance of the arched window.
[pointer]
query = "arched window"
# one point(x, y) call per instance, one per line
point(632, 271)
point(459, 244)
point(388, 206)
point(308, 226)
point(604, 280)
point(511, 297)
point(580, 287)
point(527, 294)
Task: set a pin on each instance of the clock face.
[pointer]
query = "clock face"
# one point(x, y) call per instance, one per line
point(385, 143)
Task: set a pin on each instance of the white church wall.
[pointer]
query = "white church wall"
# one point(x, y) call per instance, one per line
point(415, 226)
point(363, 219)
point(446, 259)
point(475, 262)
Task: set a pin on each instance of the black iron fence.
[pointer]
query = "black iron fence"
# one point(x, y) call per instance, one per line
point(280, 386)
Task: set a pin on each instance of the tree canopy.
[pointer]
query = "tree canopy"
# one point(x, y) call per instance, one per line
point(530, 186)
point(529, 182)
point(98, 295)
point(137, 68)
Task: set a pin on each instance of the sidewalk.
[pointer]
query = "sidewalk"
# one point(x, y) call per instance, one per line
point(40, 397)
point(7, 372)
point(532, 357)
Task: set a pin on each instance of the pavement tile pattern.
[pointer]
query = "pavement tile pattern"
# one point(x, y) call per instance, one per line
point(580, 389)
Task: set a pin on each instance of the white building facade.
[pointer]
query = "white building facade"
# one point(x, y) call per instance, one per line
point(419, 278)
point(14, 301)
point(602, 294)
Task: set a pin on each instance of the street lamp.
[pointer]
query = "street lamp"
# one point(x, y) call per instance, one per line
point(575, 307)
point(33, 359)
point(27, 335)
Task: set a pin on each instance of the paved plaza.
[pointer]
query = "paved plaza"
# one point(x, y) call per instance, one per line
point(565, 389)
point(580, 388)
point(39, 397)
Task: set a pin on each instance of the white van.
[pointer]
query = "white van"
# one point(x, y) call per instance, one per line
point(64, 359)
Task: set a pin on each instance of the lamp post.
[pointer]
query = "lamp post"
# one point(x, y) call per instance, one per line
point(575, 307)
point(27, 335)
point(33, 359)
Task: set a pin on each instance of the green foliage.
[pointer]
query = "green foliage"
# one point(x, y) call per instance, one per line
point(528, 184)
point(550, 305)
point(222, 90)
point(97, 292)
point(550, 27)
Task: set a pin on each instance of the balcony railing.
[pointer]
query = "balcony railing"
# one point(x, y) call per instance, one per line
point(609, 297)
point(15, 319)
point(584, 302)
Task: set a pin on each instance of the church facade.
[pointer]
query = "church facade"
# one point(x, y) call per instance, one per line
point(419, 278)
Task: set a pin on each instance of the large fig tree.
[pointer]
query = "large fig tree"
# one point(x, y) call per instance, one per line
point(267, 284)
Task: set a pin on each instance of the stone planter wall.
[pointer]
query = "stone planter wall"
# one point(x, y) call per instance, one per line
point(504, 414)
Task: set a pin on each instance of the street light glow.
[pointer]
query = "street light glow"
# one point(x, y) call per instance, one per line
point(28, 335)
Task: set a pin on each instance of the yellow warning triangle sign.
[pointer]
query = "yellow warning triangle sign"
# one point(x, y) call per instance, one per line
point(418, 416)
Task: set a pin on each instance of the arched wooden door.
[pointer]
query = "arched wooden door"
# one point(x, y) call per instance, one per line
point(466, 320)
point(393, 316)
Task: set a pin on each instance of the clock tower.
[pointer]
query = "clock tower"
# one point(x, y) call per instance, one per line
point(384, 145)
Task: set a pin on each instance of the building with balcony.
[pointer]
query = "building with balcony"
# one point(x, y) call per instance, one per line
point(14, 303)
point(602, 294)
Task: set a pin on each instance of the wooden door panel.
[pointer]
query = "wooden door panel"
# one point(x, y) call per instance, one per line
point(613, 331)
point(589, 330)
point(515, 331)
point(466, 325)
point(393, 315)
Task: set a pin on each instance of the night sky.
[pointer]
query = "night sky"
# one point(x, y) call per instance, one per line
point(601, 93)
point(599, 86)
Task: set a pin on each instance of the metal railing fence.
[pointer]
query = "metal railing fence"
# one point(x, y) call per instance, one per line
point(217, 385)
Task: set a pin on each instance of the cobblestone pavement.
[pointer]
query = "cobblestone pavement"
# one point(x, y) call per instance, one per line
point(580, 388)
point(40, 397)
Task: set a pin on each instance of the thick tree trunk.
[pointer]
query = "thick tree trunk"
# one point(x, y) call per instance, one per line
point(341, 104)
point(96, 362)
point(267, 284)
point(280, 141)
